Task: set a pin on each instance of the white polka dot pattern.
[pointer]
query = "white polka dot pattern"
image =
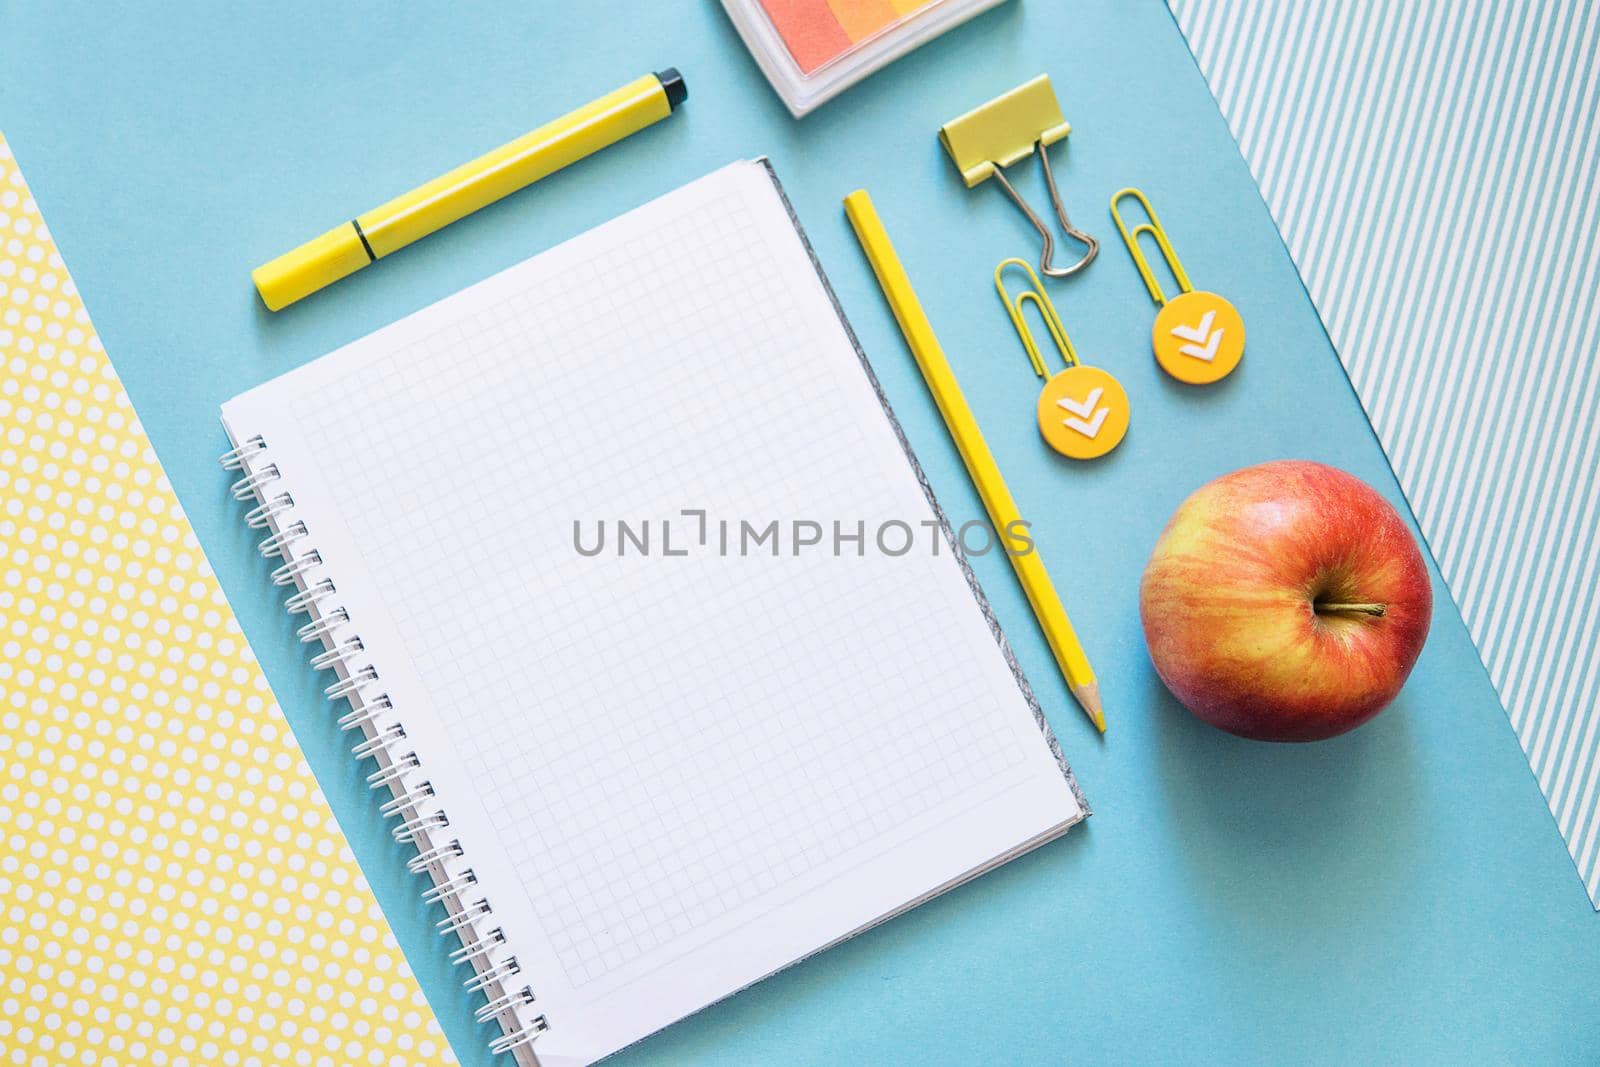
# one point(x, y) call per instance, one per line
point(173, 888)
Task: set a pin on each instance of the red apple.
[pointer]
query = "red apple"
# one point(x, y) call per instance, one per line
point(1285, 602)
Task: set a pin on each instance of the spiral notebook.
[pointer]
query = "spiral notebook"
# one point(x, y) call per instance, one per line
point(596, 550)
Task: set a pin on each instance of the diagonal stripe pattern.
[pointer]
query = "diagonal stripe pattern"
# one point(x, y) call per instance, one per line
point(1433, 169)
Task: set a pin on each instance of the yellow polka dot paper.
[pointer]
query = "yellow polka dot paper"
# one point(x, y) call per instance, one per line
point(173, 887)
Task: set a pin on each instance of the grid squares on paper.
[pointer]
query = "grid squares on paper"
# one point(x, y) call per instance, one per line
point(659, 741)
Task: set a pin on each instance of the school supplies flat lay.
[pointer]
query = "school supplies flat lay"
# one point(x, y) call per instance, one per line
point(652, 741)
point(1481, 382)
point(632, 616)
point(173, 886)
point(434, 205)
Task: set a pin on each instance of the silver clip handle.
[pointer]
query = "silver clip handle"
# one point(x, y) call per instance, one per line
point(1091, 244)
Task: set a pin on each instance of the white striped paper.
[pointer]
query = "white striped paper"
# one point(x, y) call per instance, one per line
point(1432, 166)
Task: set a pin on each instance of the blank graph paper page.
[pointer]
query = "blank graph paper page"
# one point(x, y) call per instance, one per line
point(571, 512)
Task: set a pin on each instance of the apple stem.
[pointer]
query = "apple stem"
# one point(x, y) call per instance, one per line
point(1375, 610)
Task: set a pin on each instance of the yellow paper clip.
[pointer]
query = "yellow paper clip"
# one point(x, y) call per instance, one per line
point(1047, 312)
point(1130, 237)
point(1006, 130)
point(1198, 336)
point(1083, 411)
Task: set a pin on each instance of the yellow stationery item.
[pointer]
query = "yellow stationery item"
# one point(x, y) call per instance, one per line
point(351, 245)
point(173, 886)
point(1083, 411)
point(974, 450)
point(1198, 336)
point(1007, 130)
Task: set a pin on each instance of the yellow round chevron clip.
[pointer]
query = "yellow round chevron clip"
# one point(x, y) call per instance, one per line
point(1198, 337)
point(1083, 412)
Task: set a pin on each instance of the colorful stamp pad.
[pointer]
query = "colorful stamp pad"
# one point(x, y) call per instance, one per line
point(811, 50)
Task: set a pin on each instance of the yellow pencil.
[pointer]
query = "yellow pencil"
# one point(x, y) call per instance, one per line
point(974, 451)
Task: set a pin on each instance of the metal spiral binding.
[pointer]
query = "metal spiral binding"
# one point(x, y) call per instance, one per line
point(350, 646)
point(407, 800)
point(464, 918)
point(361, 718)
point(383, 737)
point(234, 459)
point(437, 854)
point(380, 740)
point(350, 684)
point(260, 517)
point(451, 888)
point(307, 598)
point(414, 831)
point(294, 571)
point(276, 546)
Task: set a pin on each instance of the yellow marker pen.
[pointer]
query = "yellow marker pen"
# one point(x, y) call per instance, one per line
point(350, 246)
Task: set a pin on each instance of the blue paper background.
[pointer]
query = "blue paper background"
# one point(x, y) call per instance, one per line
point(1400, 893)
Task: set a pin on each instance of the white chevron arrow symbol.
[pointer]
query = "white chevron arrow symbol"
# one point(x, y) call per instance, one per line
point(1084, 406)
point(1081, 409)
point(1196, 333)
point(1202, 331)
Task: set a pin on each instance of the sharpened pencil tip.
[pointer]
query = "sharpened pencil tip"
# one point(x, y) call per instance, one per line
point(1089, 697)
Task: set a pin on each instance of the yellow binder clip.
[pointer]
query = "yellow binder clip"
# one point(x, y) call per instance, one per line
point(1006, 130)
point(1198, 336)
point(1083, 411)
